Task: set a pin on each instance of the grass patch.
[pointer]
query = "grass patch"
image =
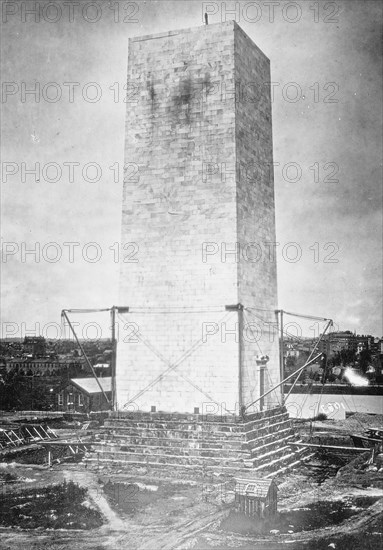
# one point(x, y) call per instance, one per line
point(6, 477)
point(59, 506)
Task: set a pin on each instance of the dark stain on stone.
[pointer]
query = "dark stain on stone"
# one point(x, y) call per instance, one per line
point(182, 100)
point(185, 92)
point(151, 91)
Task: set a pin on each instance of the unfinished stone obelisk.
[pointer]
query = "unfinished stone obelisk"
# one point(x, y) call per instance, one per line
point(198, 278)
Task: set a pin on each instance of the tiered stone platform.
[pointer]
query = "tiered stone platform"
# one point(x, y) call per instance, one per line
point(260, 441)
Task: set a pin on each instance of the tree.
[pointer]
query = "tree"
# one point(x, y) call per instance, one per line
point(290, 364)
point(364, 359)
point(10, 397)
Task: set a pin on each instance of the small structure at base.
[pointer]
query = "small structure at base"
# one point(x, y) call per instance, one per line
point(256, 497)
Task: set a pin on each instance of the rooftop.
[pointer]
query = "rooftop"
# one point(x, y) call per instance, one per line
point(253, 487)
point(90, 385)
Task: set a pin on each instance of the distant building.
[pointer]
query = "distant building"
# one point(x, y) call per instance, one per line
point(85, 395)
point(102, 367)
point(44, 367)
point(376, 346)
point(337, 341)
point(36, 345)
point(291, 350)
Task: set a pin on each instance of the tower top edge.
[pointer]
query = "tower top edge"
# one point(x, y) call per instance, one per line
point(231, 24)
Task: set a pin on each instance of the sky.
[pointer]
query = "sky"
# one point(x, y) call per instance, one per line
point(327, 117)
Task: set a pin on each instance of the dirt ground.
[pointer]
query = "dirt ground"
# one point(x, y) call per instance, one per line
point(160, 509)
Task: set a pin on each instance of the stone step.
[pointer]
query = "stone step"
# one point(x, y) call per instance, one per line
point(179, 451)
point(266, 414)
point(198, 418)
point(279, 464)
point(269, 456)
point(176, 442)
point(288, 457)
point(262, 450)
point(284, 469)
point(174, 417)
point(175, 433)
point(272, 428)
point(154, 424)
point(269, 438)
point(250, 425)
point(163, 458)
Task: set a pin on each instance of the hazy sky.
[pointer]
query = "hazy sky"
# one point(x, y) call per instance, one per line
point(329, 119)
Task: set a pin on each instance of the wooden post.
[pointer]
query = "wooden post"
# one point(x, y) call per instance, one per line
point(285, 380)
point(261, 387)
point(240, 356)
point(114, 357)
point(281, 355)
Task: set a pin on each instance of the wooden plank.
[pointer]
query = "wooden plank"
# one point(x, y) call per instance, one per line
point(329, 447)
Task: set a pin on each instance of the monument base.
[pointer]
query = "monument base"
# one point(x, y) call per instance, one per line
point(260, 441)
